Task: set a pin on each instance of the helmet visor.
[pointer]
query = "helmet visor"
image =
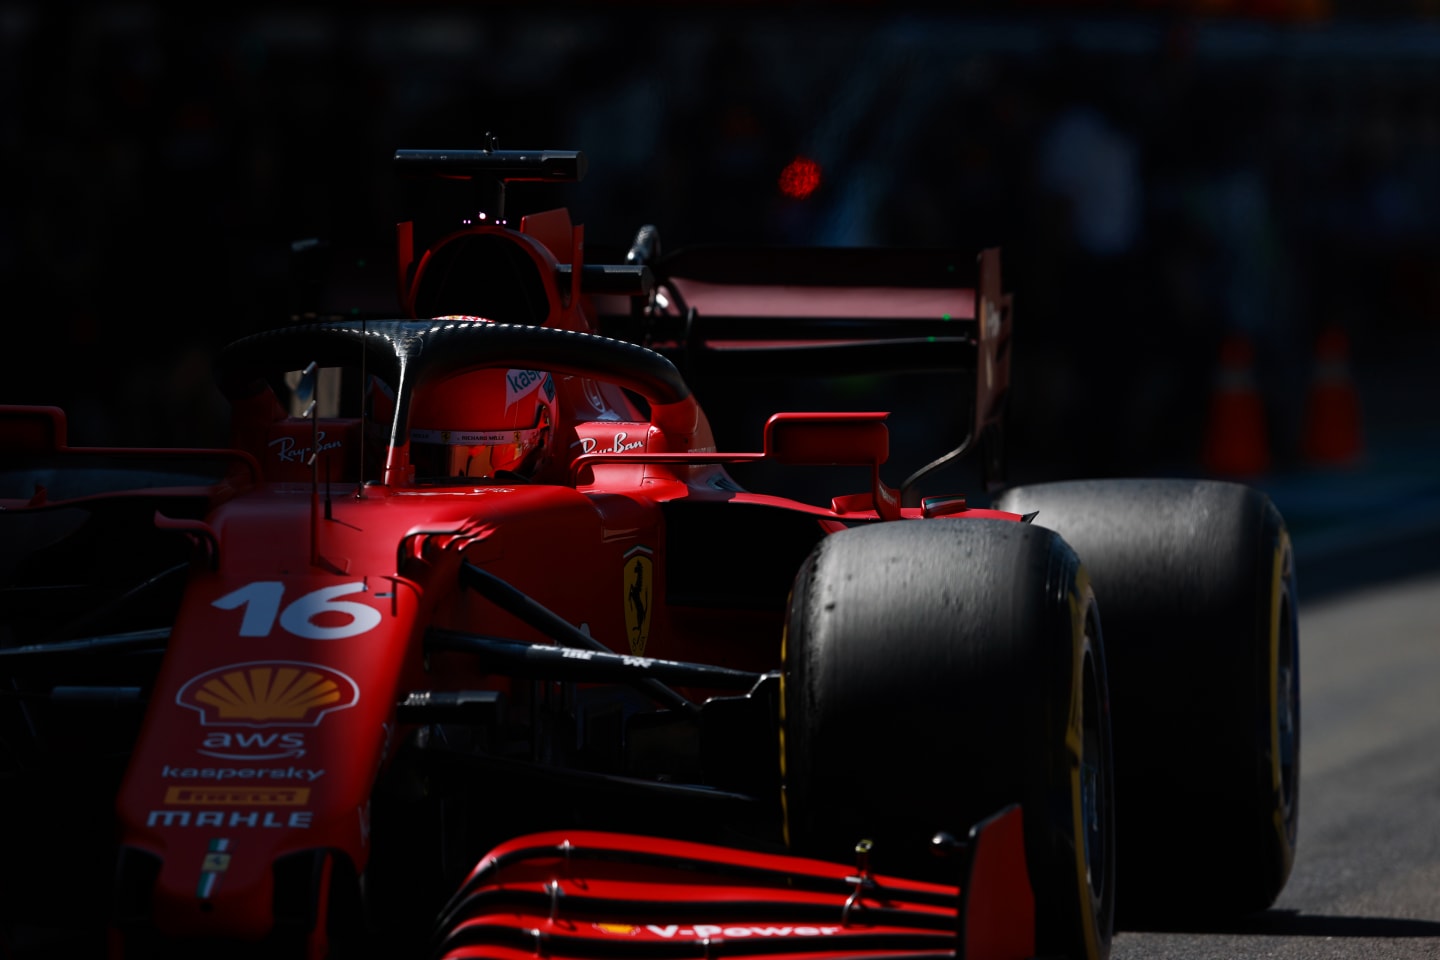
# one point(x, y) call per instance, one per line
point(476, 453)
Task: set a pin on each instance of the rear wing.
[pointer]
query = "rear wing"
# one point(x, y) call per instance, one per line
point(822, 312)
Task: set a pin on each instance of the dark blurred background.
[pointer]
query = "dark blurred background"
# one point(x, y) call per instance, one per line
point(1165, 178)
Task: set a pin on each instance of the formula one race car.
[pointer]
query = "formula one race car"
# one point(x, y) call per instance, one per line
point(473, 645)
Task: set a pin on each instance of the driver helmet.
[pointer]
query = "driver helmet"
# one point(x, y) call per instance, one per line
point(487, 423)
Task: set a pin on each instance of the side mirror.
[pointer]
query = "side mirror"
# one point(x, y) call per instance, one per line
point(827, 439)
point(32, 429)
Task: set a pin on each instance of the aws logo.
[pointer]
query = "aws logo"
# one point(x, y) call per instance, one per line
point(268, 693)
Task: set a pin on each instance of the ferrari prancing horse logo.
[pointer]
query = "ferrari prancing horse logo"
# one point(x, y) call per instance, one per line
point(639, 591)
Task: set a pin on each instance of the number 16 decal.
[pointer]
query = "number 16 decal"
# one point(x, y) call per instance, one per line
point(261, 601)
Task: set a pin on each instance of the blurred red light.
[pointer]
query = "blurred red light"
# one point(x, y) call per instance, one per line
point(800, 178)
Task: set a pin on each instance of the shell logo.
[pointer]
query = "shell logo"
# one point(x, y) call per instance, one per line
point(268, 693)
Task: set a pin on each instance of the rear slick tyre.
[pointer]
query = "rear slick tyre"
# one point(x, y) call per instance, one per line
point(1197, 582)
point(936, 672)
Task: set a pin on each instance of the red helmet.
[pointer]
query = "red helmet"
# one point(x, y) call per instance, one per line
point(483, 424)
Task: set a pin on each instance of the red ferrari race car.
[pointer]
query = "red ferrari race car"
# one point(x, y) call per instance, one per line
point(472, 645)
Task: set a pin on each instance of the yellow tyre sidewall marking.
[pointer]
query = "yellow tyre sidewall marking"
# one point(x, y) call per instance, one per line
point(1277, 577)
point(1080, 599)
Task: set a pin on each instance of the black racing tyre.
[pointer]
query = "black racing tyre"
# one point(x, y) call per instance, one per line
point(935, 672)
point(1197, 582)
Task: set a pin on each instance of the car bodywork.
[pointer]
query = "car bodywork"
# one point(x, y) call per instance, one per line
point(315, 681)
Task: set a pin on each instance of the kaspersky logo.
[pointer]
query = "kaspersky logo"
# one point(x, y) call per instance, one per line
point(268, 693)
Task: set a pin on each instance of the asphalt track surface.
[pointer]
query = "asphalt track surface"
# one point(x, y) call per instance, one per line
point(1366, 881)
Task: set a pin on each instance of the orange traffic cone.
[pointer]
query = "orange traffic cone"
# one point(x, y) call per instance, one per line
point(1333, 432)
point(1236, 441)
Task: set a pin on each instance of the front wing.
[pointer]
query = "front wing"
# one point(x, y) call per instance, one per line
point(584, 894)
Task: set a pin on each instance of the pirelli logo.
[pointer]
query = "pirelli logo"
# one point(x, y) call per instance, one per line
point(238, 796)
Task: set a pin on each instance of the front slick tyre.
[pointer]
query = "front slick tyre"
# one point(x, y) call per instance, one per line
point(936, 672)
